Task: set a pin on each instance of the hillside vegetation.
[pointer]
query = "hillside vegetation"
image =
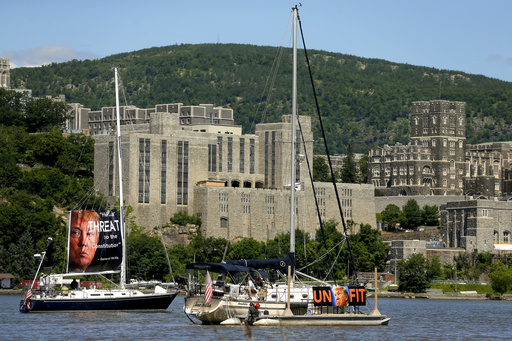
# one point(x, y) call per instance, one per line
point(363, 102)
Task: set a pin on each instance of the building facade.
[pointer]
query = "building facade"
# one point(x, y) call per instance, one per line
point(237, 183)
point(437, 160)
point(478, 225)
point(204, 117)
point(433, 161)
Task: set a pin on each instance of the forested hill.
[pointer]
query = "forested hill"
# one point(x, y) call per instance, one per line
point(364, 102)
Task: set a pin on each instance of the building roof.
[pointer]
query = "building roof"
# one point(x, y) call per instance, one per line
point(6, 276)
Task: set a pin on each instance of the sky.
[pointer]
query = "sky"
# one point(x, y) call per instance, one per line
point(463, 35)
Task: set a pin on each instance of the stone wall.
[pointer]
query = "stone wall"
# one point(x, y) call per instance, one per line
point(175, 234)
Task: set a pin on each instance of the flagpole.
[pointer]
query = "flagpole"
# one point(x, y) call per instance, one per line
point(25, 305)
point(40, 263)
point(208, 292)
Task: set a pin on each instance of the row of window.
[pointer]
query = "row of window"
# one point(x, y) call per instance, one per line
point(433, 120)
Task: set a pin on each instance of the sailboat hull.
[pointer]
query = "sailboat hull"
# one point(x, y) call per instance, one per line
point(123, 300)
point(221, 309)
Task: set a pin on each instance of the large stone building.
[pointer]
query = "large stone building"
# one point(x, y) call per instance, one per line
point(433, 161)
point(478, 225)
point(204, 117)
point(238, 183)
point(437, 160)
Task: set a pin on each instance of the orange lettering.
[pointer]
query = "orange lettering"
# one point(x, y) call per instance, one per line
point(327, 296)
point(353, 294)
point(318, 298)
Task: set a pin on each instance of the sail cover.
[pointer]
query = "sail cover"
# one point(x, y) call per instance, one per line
point(94, 241)
point(280, 264)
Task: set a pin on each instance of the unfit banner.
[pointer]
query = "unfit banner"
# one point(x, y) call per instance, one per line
point(339, 296)
point(94, 242)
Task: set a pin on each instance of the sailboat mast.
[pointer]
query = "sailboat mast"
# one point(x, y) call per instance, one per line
point(120, 179)
point(294, 124)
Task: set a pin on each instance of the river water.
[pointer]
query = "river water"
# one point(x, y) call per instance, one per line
point(411, 319)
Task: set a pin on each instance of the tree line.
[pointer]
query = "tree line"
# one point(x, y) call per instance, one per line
point(43, 173)
point(410, 216)
point(417, 273)
point(363, 102)
point(369, 252)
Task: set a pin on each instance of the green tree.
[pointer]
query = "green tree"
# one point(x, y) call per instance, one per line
point(369, 251)
point(501, 278)
point(349, 167)
point(413, 273)
point(391, 215)
point(363, 168)
point(434, 269)
point(247, 248)
point(321, 170)
point(207, 249)
point(146, 256)
point(430, 215)
point(411, 214)
point(181, 218)
point(43, 114)
point(11, 107)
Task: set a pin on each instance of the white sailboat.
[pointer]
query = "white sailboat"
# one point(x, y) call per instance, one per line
point(104, 232)
point(291, 304)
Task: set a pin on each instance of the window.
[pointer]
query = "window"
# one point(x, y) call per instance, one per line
point(182, 190)
point(144, 163)
point(242, 155)
point(506, 236)
point(251, 156)
point(223, 222)
point(163, 173)
point(219, 145)
point(230, 154)
point(212, 158)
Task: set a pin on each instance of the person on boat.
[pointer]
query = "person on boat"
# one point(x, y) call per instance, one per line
point(84, 237)
point(74, 284)
point(42, 282)
point(251, 288)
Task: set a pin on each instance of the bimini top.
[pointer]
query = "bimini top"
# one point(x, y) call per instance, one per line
point(280, 264)
point(218, 267)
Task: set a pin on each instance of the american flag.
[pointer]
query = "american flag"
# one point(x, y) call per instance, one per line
point(208, 293)
point(28, 295)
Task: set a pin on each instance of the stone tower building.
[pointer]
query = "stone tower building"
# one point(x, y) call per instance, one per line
point(434, 160)
point(5, 73)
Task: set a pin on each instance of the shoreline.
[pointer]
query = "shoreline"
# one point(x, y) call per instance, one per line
point(444, 296)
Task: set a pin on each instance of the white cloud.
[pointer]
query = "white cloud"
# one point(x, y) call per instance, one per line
point(43, 55)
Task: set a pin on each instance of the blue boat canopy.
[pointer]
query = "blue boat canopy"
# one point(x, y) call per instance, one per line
point(218, 267)
point(280, 264)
